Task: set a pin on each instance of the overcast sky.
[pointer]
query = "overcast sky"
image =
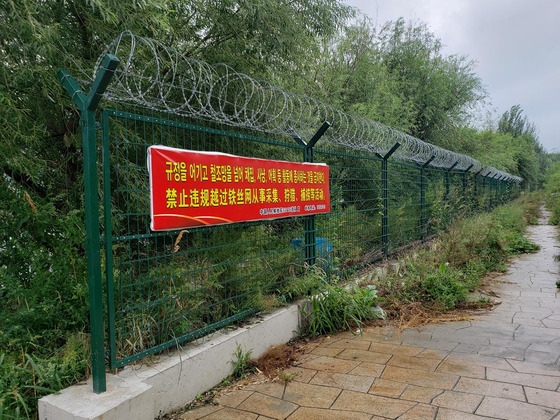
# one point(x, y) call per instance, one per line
point(515, 43)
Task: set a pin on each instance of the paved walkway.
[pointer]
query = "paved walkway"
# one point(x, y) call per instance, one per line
point(502, 365)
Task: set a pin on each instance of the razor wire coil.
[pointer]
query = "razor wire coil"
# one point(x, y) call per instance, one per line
point(162, 78)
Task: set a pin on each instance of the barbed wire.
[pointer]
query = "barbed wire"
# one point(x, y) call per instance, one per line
point(162, 78)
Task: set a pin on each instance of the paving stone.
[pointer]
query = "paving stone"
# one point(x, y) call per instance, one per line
point(459, 401)
point(414, 362)
point(469, 347)
point(420, 412)
point(419, 377)
point(372, 404)
point(479, 360)
point(327, 351)
point(386, 388)
point(543, 398)
point(536, 381)
point(412, 333)
point(300, 374)
point(549, 347)
point(511, 353)
point(439, 344)
point(308, 395)
point(368, 369)
point(462, 368)
point(364, 356)
point(549, 323)
point(448, 414)
point(273, 389)
point(268, 406)
point(535, 368)
point(513, 410)
point(420, 394)
point(200, 412)
point(511, 344)
point(433, 354)
point(330, 364)
point(231, 414)
point(351, 344)
point(234, 398)
point(529, 322)
point(541, 357)
point(491, 388)
point(341, 380)
point(307, 413)
point(395, 349)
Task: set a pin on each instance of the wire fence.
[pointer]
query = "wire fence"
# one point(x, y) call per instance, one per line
point(162, 289)
point(169, 287)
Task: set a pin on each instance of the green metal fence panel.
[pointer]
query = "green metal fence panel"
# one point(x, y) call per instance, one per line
point(165, 288)
point(353, 227)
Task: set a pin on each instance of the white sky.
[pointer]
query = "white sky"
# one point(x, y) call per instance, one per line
point(515, 43)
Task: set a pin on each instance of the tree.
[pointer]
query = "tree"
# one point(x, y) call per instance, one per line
point(441, 88)
point(531, 157)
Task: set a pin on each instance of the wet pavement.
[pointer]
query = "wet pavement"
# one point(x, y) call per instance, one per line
point(505, 364)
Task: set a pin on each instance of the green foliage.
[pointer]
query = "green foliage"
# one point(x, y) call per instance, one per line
point(552, 190)
point(440, 88)
point(25, 378)
point(444, 286)
point(336, 308)
point(461, 256)
point(240, 363)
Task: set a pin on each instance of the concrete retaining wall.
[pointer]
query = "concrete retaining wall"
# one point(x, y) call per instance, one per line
point(143, 393)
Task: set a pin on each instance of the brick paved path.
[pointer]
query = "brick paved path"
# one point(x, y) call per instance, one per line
point(502, 365)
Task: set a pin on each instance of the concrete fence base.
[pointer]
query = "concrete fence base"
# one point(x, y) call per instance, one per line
point(148, 391)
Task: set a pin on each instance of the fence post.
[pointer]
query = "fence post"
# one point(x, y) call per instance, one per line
point(423, 197)
point(475, 192)
point(447, 172)
point(385, 198)
point(494, 189)
point(87, 104)
point(310, 241)
point(465, 172)
point(502, 189)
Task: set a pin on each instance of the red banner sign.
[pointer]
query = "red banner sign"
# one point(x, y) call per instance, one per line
point(190, 189)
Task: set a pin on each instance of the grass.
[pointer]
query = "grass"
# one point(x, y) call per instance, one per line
point(440, 276)
point(240, 363)
point(336, 308)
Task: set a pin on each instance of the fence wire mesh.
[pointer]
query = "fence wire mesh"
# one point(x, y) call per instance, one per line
point(165, 288)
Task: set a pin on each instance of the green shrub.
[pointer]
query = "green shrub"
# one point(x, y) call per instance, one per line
point(444, 286)
point(460, 257)
point(336, 308)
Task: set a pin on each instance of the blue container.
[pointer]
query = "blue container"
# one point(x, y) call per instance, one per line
point(323, 246)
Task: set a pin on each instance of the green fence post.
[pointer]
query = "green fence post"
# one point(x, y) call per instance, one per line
point(465, 172)
point(385, 198)
point(447, 172)
point(494, 190)
point(87, 106)
point(475, 192)
point(310, 240)
point(423, 197)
